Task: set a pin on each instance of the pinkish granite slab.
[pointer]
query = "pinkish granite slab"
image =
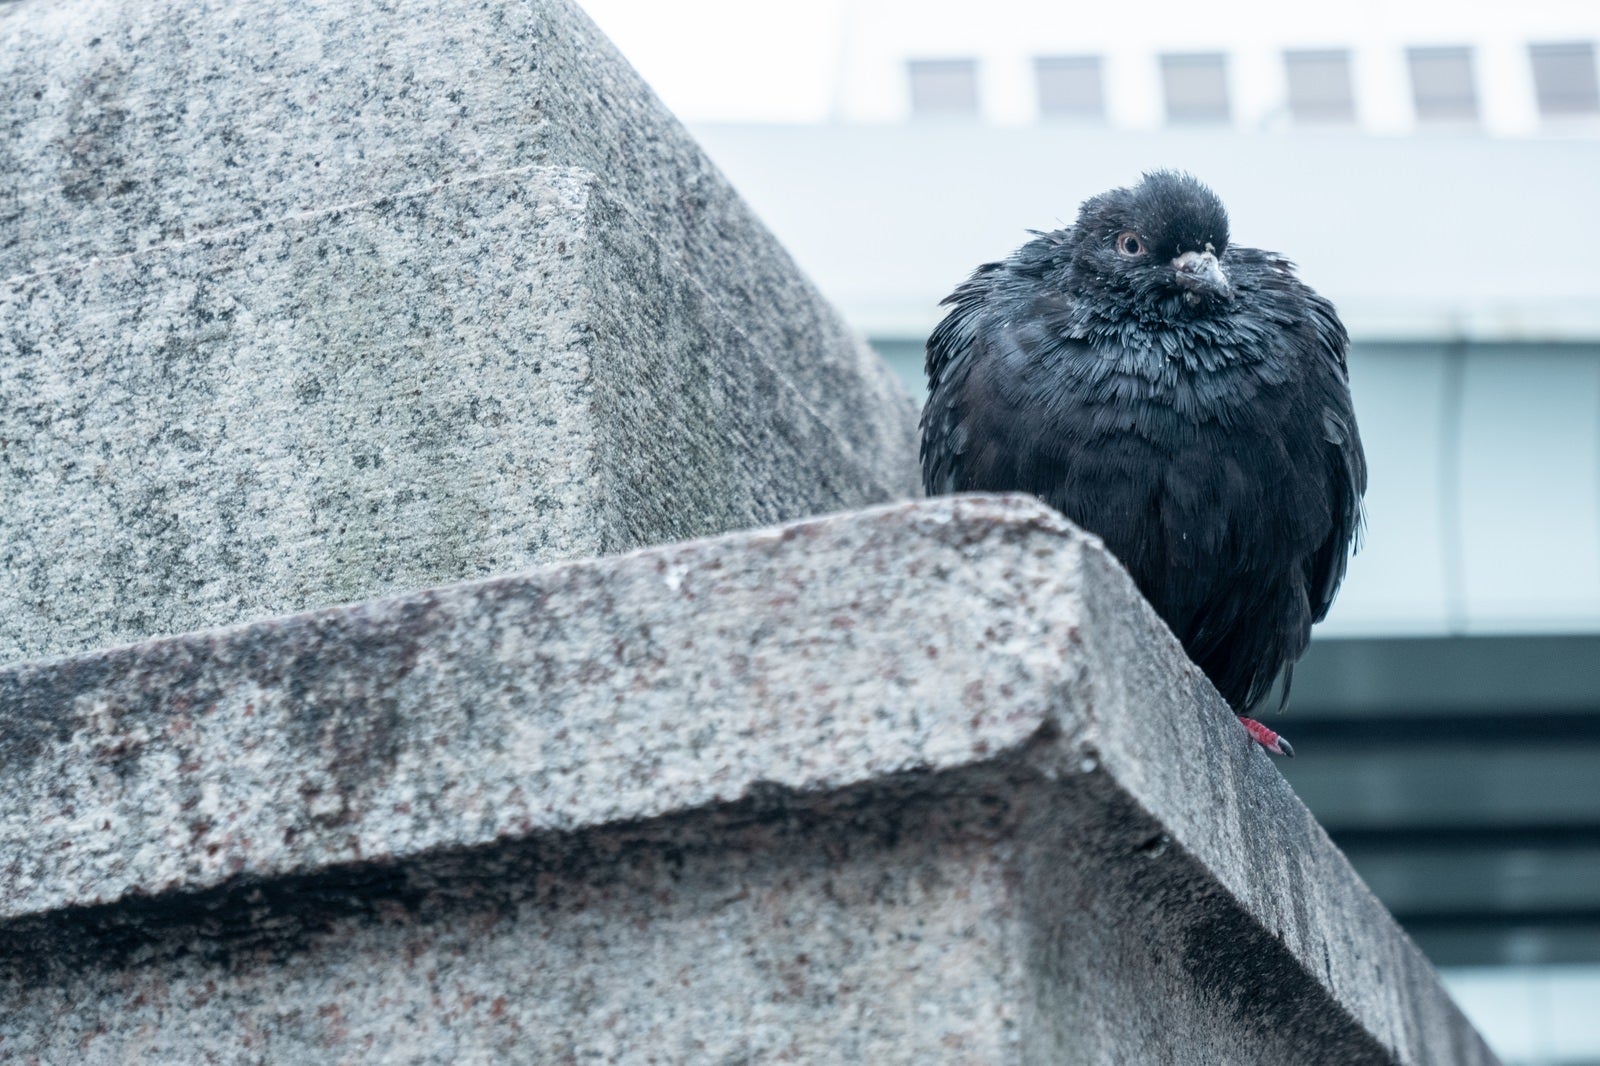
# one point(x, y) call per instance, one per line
point(922, 783)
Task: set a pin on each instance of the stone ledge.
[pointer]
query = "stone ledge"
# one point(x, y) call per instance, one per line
point(940, 753)
point(581, 695)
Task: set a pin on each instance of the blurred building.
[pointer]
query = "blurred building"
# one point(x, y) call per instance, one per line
point(1390, 68)
point(1436, 171)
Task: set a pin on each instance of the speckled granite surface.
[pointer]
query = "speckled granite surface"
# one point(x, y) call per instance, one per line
point(926, 783)
point(309, 302)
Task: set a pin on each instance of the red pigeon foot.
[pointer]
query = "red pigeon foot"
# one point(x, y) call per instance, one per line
point(1266, 737)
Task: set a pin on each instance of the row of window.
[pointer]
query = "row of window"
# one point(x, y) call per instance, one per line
point(1195, 85)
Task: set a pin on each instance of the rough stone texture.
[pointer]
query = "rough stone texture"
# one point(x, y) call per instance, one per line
point(689, 805)
point(316, 301)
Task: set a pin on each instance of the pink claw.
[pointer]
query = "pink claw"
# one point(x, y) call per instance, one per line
point(1266, 737)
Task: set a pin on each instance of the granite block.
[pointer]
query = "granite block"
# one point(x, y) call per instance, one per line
point(470, 379)
point(128, 126)
point(319, 302)
point(925, 783)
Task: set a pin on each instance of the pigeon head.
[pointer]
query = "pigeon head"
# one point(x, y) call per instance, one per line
point(1157, 245)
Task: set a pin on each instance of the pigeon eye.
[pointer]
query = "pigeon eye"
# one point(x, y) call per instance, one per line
point(1129, 244)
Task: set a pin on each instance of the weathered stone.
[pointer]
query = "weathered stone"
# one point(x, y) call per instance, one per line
point(925, 783)
point(312, 302)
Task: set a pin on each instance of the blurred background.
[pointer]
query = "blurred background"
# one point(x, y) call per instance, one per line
point(1435, 170)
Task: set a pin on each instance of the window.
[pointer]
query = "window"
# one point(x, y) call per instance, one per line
point(1196, 87)
point(1319, 86)
point(944, 86)
point(1442, 85)
point(1070, 87)
point(1564, 79)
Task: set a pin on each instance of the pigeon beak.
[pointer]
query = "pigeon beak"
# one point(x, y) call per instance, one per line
point(1200, 274)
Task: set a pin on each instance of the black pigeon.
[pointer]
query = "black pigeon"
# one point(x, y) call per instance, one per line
point(1185, 399)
